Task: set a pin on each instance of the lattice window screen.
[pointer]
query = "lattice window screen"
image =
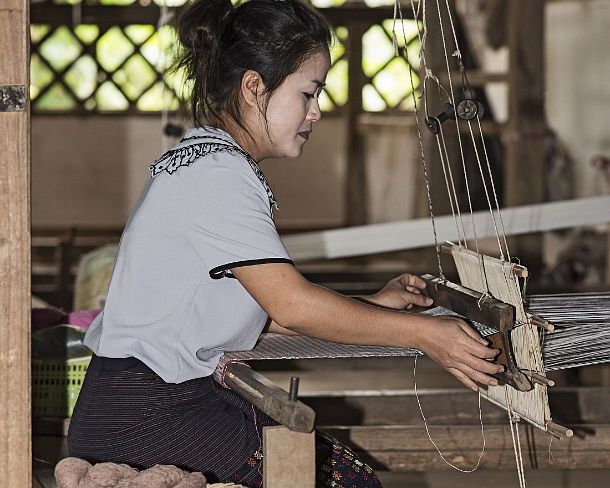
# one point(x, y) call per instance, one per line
point(388, 76)
point(89, 69)
point(124, 69)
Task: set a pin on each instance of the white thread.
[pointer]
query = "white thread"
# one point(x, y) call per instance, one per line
point(457, 468)
point(493, 187)
point(457, 123)
point(457, 203)
point(493, 218)
point(443, 166)
point(419, 136)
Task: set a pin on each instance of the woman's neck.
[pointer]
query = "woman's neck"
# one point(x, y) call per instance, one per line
point(245, 139)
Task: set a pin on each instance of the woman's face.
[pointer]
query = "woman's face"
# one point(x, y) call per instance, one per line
point(293, 109)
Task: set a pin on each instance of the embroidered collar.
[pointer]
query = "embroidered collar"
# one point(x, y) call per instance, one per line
point(206, 141)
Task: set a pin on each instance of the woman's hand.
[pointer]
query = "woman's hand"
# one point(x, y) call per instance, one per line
point(401, 293)
point(459, 349)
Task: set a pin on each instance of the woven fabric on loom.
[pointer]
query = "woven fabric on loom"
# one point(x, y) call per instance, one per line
point(275, 346)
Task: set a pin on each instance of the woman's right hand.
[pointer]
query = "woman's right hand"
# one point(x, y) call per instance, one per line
point(459, 349)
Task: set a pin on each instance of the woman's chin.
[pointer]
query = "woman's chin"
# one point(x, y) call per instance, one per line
point(293, 152)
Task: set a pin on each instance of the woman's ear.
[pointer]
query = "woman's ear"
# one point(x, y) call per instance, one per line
point(252, 87)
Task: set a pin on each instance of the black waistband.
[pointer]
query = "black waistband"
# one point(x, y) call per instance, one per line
point(99, 363)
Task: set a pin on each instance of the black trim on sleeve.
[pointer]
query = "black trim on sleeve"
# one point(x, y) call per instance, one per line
point(224, 271)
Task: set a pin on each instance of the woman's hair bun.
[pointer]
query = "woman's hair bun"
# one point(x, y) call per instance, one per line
point(202, 23)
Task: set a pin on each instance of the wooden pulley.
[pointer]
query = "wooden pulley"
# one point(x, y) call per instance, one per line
point(469, 109)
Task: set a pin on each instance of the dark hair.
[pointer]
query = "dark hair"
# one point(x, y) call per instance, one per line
point(220, 43)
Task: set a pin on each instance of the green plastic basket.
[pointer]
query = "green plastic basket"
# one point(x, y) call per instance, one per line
point(56, 384)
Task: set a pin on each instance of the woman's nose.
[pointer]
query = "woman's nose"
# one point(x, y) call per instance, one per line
point(314, 113)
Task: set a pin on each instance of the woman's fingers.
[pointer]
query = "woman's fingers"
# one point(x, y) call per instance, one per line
point(473, 333)
point(479, 350)
point(482, 366)
point(417, 299)
point(408, 279)
point(477, 370)
point(463, 378)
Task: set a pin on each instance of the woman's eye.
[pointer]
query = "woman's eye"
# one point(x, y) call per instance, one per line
point(309, 95)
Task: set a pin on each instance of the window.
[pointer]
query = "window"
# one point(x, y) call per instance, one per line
point(111, 67)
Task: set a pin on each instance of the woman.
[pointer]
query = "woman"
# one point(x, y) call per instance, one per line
point(201, 269)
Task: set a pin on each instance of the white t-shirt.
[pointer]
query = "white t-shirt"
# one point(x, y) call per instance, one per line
point(173, 302)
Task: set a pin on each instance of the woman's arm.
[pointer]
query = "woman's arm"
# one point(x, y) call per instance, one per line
point(304, 308)
point(274, 327)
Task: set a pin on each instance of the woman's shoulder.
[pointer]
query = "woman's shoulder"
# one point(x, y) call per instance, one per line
point(210, 155)
point(199, 143)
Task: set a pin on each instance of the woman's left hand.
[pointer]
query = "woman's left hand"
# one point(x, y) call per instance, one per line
point(401, 293)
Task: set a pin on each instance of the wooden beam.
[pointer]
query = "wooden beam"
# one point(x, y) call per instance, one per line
point(356, 205)
point(411, 234)
point(109, 15)
point(524, 162)
point(455, 406)
point(270, 398)
point(15, 443)
point(408, 448)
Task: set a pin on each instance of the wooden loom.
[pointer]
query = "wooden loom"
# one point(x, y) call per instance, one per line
point(490, 292)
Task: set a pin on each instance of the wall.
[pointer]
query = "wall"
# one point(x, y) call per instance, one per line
point(578, 91)
point(90, 170)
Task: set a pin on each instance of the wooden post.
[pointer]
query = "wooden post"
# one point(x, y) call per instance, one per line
point(357, 193)
point(289, 458)
point(526, 129)
point(435, 59)
point(15, 423)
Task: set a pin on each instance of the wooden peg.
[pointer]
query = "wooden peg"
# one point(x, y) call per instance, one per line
point(540, 322)
point(557, 430)
point(538, 378)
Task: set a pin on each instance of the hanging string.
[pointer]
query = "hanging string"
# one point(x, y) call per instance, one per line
point(419, 135)
point(421, 410)
point(493, 187)
point(442, 151)
point(452, 98)
point(493, 218)
point(458, 55)
point(420, 139)
point(464, 170)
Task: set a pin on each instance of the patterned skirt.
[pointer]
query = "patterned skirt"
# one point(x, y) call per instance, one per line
point(127, 414)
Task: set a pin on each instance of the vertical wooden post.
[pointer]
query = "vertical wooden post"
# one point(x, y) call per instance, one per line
point(289, 458)
point(15, 410)
point(435, 60)
point(357, 192)
point(526, 129)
